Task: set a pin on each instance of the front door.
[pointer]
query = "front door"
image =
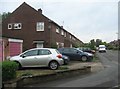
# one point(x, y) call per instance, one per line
point(39, 45)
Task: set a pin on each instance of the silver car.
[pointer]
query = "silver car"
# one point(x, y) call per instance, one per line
point(39, 57)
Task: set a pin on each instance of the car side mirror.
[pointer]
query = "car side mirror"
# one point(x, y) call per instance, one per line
point(23, 56)
point(77, 52)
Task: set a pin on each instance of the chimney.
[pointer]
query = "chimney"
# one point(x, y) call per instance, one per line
point(40, 11)
point(61, 26)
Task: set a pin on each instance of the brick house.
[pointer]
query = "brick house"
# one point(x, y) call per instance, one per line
point(28, 28)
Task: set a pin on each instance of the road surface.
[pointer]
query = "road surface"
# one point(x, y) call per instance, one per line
point(108, 77)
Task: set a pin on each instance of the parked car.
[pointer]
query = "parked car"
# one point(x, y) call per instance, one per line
point(39, 57)
point(85, 49)
point(66, 59)
point(75, 54)
point(102, 48)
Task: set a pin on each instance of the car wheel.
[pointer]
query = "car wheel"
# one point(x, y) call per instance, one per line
point(84, 58)
point(19, 65)
point(53, 65)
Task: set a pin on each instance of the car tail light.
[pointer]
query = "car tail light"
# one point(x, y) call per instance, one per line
point(59, 56)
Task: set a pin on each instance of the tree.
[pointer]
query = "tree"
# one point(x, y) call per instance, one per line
point(92, 44)
point(98, 42)
point(53, 45)
point(5, 15)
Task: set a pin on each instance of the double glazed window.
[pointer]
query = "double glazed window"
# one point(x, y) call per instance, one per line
point(40, 26)
point(62, 32)
point(57, 30)
point(15, 26)
point(9, 26)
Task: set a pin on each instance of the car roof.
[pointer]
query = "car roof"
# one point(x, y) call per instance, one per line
point(66, 48)
point(41, 48)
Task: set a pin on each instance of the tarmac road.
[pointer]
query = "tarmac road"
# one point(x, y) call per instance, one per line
point(108, 77)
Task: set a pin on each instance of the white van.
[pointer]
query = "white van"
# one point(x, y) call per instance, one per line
point(102, 48)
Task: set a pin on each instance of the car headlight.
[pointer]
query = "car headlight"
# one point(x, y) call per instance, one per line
point(89, 54)
point(66, 57)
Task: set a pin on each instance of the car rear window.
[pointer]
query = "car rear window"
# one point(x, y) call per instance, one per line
point(44, 52)
point(57, 51)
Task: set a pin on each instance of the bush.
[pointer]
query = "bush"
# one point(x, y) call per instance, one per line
point(9, 70)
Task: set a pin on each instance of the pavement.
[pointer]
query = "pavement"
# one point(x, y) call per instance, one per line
point(95, 66)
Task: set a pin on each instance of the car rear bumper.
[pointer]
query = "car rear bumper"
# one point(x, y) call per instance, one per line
point(61, 62)
point(102, 50)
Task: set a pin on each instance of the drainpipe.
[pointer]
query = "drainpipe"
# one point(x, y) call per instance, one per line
point(50, 32)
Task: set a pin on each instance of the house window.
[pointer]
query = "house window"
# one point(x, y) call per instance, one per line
point(17, 25)
point(71, 46)
point(57, 30)
point(39, 45)
point(57, 43)
point(9, 26)
point(40, 26)
point(62, 32)
point(62, 44)
point(70, 36)
point(73, 38)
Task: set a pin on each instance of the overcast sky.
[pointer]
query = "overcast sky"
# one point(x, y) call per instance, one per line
point(86, 19)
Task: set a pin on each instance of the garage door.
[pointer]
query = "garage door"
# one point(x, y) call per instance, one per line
point(15, 47)
point(1, 51)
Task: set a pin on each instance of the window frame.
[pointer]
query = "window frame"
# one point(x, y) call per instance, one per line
point(57, 30)
point(38, 26)
point(62, 32)
point(10, 24)
point(65, 34)
point(17, 25)
point(70, 36)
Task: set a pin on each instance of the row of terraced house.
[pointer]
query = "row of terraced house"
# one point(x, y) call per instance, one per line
point(28, 28)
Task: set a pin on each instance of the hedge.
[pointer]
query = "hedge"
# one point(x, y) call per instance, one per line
point(9, 70)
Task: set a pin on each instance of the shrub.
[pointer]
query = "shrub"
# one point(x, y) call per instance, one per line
point(9, 70)
point(53, 45)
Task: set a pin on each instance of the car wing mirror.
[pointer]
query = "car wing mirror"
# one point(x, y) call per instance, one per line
point(23, 56)
point(77, 52)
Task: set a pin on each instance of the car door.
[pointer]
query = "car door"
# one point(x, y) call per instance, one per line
point(28, 59)
point(44, 56)
point(74, 54)
point(66, 52)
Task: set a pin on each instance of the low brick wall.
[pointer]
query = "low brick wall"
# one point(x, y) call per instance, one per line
point(27, 80)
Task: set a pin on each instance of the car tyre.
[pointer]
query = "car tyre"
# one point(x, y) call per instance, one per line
point(53, 65)
point(84, 58)
point(19, 66)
